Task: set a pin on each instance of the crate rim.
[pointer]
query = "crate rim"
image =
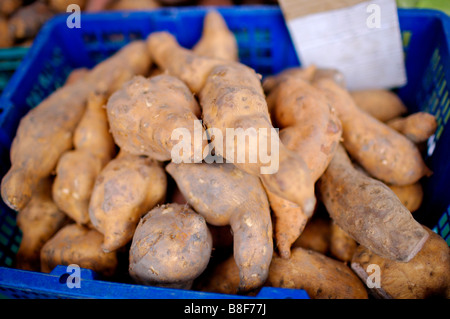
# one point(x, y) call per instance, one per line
point(46, 30)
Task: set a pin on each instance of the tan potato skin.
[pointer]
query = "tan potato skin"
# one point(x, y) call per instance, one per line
point(61, 5)
point(76, 75)
point(233, 98)
point(223, 278)
point(144, 113)
point(126, 189)
point(309, 124)
point(77, 169)
point(225, 195)
point(417, 127)
point(368, 211)
point(131, 5)
point(7, 7)
point(26, 22)
point(6, 38)
point(383, 152)
point(217, 41)
point(342, 246)
point(38, 146)
point(170, 248)
point(315, 236)
point(289, 223)
point(75, 177)
point(311, 129)
point(410, 195)
point(225, 90)
point(191, 68)
point(383, 105)
point(38, 222)
point(320, 276)
point(427, 275)
point(271, 83)
point(75, 244)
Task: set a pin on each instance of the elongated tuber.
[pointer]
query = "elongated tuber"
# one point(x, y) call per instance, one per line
point(315, 236)
point(63, 5)
point(383, 152)
point(311, 129)
point(140, 112)
point(7, 7)
point(320, 276)
point(231, 97)
point(342, 246)
point(38, 222)
point(417, 127)
point(383, 105)
point(38, 145)
point(79, 245)
point(126, 189)
point(171, 247)
point(225, 195)
point(26, 22)
point(217, 41)
point(427, 275)
point(77, 169)
point(410, 195)
point(369, 211)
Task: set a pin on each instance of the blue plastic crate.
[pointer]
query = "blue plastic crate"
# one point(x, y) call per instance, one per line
point(264, 44)
point(10, 60)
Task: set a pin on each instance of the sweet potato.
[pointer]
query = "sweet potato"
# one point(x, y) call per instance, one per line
point(60, 6)
point(38, 222)
point(289, 222)
point(98, 5)
point(309, 125)
point(320, 276)
point(132, 5)
point(170, 248)
point(369, 211)
point(231, 97)
point(76, 75)
point(191, 68)
point(410, 195)
point(342, 246)
point(26, 22)
point(77, 169)
point(79, 245)
point(7, 7)
point(38, 145)
point(217, 41)
point(383, 152)
point(417, 127)
point(312, 130)
point(127, 188)
point(315, 236)
point(384, 105)
point(333, 74)
point(225, 195)
point(427, 275)
point(140, 111)
point(6, 39)
point(272, 82)
point(222, 279)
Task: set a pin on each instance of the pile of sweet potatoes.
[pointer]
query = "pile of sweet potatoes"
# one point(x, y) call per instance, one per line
point(95, 181)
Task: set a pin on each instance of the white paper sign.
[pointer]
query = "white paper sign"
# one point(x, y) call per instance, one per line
point(363, 41)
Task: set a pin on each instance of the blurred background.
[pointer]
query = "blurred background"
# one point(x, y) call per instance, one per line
point(20, 20)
